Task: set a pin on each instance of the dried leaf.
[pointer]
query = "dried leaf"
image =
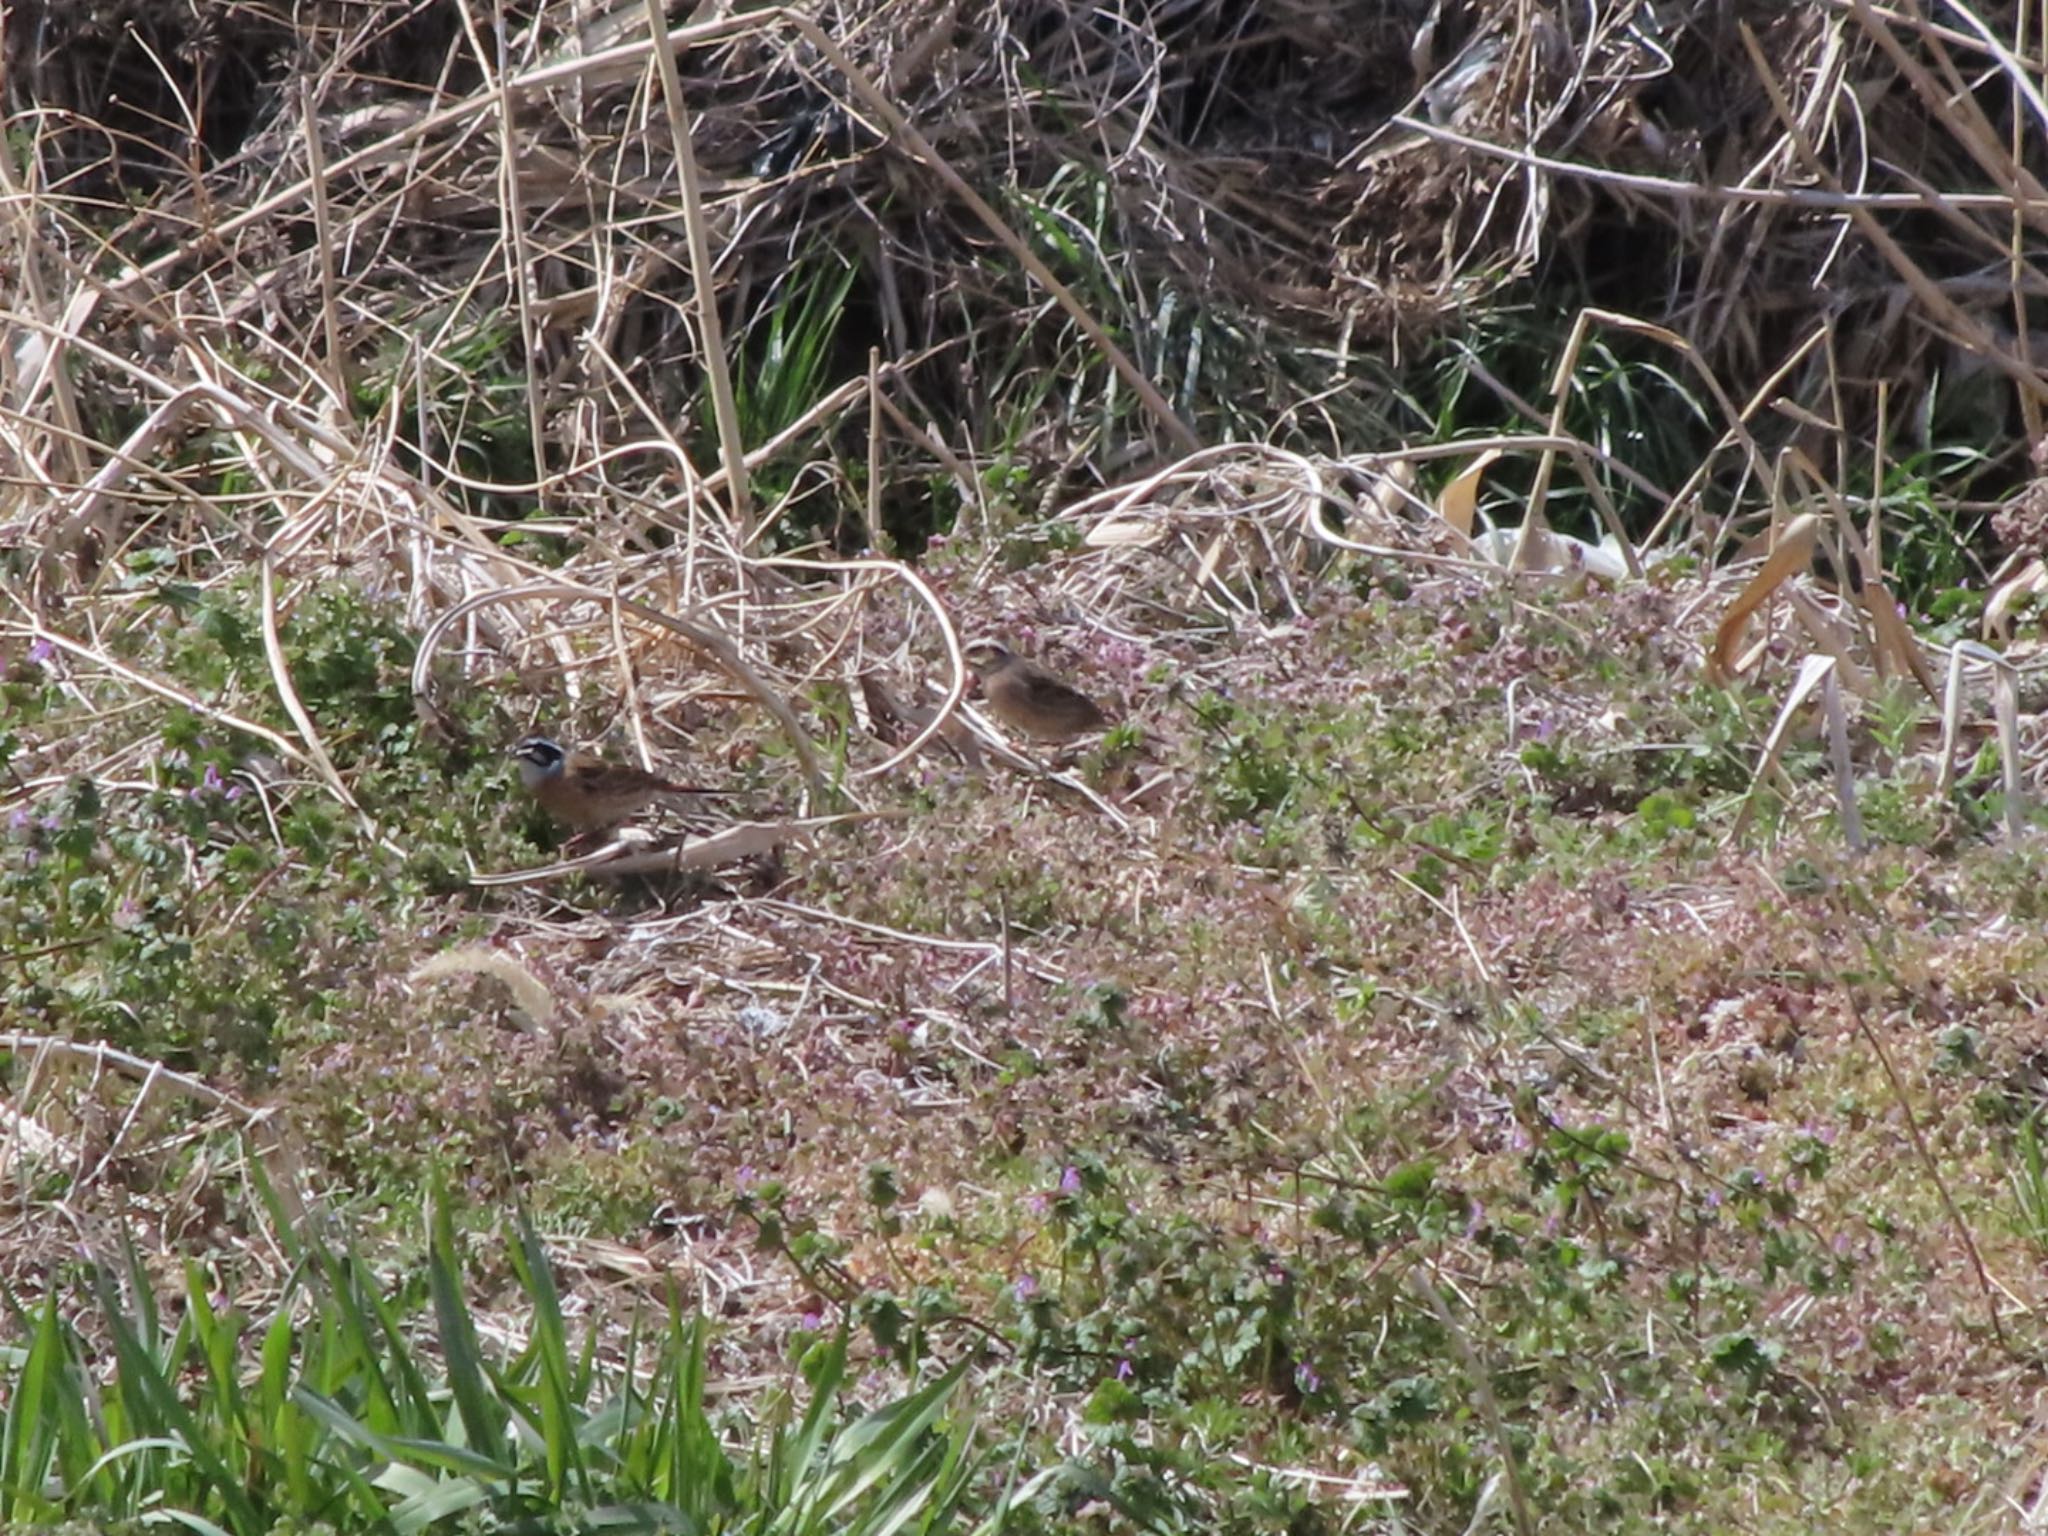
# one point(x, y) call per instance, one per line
point(1813, 672)
point(1394, 491)
point(2031, 579)
point(632, 852)
point(1835, 637)
point(1125, 532)
point(1794, 553)
point(1459, 503)
point(1898, 648)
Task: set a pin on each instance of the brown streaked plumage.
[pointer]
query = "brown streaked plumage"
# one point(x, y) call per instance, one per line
point(1029, 699)
point(587, 793)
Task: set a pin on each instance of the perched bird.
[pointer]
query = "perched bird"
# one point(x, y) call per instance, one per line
point(1029, 699)
point(587, 793)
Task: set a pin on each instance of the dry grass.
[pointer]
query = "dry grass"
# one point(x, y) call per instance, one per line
point(1420, 840)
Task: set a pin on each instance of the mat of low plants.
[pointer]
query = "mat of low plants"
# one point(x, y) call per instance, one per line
point(1525, 1016)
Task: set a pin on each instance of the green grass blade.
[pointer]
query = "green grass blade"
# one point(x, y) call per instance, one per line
point(696, 1477)
point(459, 1459)
point(146, 1387)
point(191, 1521)
point(218, 1339)
point(432, 1504)
point(410, 1404)
point(888, 1443)
point(348, 1340)
point(561, 1415)
point(631, 1518)
point(790, 1456)
point(32, 1423)
point(483, 1424)
point(273, 1381)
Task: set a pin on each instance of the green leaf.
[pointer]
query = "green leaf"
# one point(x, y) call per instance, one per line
point(482, 1425)
point(561, 1418)
point(1412, 1181)
point(144, 1384)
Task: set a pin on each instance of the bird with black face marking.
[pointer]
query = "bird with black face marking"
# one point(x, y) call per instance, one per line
point(587, 793)
point(1027, 698)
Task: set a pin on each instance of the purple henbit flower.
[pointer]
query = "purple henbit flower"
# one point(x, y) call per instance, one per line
point(1070, 1180)
point(1305, 1377)
point(1026, 1287)
point(210, 781)
point(812, 1322)
point(41, 650)
point(1124, 1370)
point(744, 1175)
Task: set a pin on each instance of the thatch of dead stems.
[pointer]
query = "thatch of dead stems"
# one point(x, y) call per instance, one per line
point(424, 199)
point(1820, 174)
